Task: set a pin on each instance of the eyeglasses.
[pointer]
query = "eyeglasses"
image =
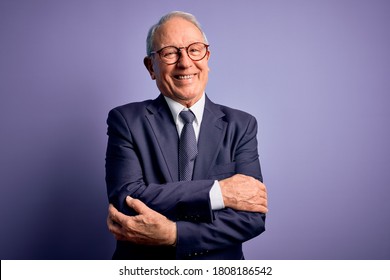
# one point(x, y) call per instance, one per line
point(170, 54)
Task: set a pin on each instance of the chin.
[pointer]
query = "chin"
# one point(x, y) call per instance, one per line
point(189, 97)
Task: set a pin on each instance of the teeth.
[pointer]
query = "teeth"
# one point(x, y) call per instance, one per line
point(185, 77)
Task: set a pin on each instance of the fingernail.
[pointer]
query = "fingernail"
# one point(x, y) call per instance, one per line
point(128, 198)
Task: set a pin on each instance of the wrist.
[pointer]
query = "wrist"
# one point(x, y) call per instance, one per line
point(227, 193)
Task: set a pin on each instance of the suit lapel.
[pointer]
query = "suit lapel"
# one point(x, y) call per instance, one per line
point(212, 131)
point(164, 129)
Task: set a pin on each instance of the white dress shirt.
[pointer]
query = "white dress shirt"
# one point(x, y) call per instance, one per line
point(216, 198)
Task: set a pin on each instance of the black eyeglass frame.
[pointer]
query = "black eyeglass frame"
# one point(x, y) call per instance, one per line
point(179, 52)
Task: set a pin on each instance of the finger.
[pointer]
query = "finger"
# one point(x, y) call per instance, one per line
point(265, 203)
point(117, 231)
point(111, 210)
point(118, 235)
point(261, 208)
point(111, 222)
point(262, 186)
point(263, 195)
point(113, 227)
point(112, 213)
point(117, 217)
point(137, 205)
point(257, 208)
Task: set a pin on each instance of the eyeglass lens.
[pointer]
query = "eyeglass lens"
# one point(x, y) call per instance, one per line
point(195, 51)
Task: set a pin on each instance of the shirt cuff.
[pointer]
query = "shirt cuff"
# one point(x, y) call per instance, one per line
point(216, 199)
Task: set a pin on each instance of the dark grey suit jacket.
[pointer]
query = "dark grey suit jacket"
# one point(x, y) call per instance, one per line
point(142, 161)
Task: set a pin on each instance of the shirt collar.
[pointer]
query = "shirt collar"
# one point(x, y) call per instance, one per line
point(197, 108)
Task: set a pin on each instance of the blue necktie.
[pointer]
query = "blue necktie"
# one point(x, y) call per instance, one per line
point(188, 149)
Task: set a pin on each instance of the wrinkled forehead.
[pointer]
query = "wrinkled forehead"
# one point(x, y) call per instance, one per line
point(177, 32)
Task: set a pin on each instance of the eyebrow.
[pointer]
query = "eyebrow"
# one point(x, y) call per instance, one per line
point(191, 42)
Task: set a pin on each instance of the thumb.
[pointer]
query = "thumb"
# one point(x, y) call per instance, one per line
point(137, 205)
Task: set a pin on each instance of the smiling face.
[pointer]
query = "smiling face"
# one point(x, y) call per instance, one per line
point(185, 81)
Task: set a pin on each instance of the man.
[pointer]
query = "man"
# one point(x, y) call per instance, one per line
point(156, 212)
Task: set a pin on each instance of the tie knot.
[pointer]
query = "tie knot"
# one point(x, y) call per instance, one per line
point(187, 116)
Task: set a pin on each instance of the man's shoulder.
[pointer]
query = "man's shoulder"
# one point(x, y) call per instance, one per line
point(234, 112)
point(131, 113)
point(130, 107)
point(137, 109)
point(230, 113)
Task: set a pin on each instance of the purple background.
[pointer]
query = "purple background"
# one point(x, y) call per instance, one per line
point(314, 73)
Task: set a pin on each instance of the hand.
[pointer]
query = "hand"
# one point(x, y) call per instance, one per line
point(147, 228)
point(245, 193)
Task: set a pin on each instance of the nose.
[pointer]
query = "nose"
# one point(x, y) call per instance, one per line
point(184, 60)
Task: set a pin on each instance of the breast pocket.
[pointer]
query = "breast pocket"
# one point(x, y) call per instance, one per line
point(222, 171)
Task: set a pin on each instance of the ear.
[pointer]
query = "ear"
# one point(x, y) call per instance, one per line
point(149, 66)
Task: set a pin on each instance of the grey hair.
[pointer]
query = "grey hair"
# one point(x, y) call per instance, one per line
point(152, 31)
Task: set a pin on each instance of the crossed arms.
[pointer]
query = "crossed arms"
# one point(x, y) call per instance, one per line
point(149, 227)
point(179, 212)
